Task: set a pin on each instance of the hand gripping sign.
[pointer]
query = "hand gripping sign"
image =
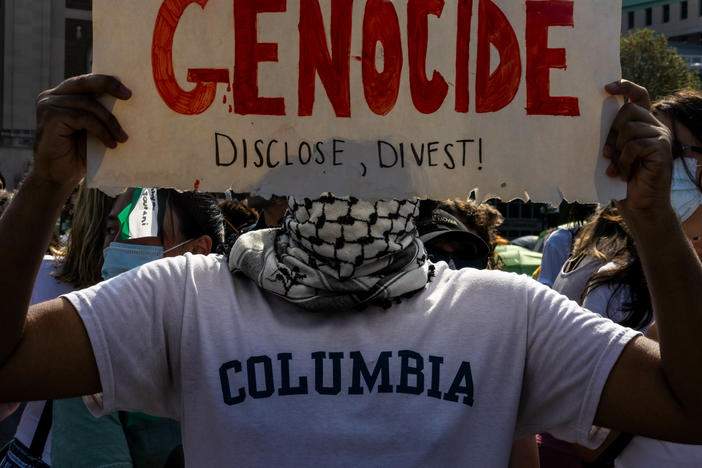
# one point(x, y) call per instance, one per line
point(372, 98)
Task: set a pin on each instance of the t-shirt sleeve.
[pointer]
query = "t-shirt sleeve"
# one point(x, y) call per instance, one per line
point(134, 324)
point(556, 252)
point(570, 353)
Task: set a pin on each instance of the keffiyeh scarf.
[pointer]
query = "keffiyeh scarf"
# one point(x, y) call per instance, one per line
point(337, 253)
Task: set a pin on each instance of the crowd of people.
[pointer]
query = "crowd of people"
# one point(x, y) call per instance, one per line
point(175, 328)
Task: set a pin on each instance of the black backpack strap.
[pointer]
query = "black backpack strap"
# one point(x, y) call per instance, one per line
point(36, 449)
point(122, 418)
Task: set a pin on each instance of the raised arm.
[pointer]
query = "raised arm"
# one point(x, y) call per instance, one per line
point(65, 115)
point(655, 390)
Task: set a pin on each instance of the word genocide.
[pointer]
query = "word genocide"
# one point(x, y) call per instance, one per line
point(495, 87)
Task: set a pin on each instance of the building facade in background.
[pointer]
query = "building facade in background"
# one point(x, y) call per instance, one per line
point(41, 43)
point(679, 20)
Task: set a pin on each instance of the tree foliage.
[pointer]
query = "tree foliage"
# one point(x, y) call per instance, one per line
point(649, 61)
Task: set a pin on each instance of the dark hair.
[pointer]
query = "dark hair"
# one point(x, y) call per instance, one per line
point(684, 107)
point(198, 214)
point(237, 216)
point(606, 238)
point(580, 213)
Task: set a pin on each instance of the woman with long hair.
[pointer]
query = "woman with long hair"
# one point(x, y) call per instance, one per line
point(605, 275)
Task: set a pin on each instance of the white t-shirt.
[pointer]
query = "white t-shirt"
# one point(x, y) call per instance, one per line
point(464, 367)
point(46, 287)
point(643, 452)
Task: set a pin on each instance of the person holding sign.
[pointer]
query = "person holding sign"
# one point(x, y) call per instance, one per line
point(333, 340)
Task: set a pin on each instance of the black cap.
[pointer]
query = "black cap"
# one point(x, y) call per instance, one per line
point(444, 226)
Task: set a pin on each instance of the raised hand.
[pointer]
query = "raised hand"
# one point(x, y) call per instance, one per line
point(639, 149)
point(65, 115)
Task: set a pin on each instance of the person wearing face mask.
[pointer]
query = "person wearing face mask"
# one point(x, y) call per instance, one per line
point(333, 341)
point(446, 239)
point(145, 224)
point(682, 113)
point(617, 289)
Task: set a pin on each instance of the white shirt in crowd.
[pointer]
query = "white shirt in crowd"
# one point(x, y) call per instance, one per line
point(451, 375)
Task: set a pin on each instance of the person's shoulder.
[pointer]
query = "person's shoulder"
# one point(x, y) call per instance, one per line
point(187, 264)
point(471, 278)
point(206, 261)
point(609, 266)
point(562, 236)
point(484, 295)
point(190, 260)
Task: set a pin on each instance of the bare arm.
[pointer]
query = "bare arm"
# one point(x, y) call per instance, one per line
point(54, 358)
point(654, 390)
point(525, 453)
point(53, 332)
point(25, 231)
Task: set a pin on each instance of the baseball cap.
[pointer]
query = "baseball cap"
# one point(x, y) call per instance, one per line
point(443, 226)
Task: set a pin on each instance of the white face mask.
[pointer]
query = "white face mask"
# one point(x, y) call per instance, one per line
point(685, 196)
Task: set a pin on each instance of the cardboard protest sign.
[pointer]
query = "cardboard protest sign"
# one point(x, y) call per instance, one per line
point(372, 98)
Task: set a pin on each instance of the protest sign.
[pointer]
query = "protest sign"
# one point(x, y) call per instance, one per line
point(372, 98)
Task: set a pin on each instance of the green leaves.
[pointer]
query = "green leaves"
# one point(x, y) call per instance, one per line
point(648, 60)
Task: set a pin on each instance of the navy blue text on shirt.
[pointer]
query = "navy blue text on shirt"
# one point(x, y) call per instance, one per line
point(263, 376)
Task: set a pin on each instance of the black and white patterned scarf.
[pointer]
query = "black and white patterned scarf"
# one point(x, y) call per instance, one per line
point(337, 253)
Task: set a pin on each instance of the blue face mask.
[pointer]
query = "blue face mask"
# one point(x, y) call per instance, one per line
point(120, 257)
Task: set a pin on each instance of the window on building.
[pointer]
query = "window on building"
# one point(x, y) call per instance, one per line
point(683, 10)
point(649, 16)
point(78, 53)
point(666, 13)
point(630, 20)
point(80, 4)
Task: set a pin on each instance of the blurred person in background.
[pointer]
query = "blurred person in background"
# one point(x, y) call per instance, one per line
point(270, 211)
point(143, 225)
point(237, 217)
point(481, 219)
point(75, 266)
point(558, 244)
point(447, 239)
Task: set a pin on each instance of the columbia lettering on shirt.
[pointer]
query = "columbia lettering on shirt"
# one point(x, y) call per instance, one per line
point(450, 376)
